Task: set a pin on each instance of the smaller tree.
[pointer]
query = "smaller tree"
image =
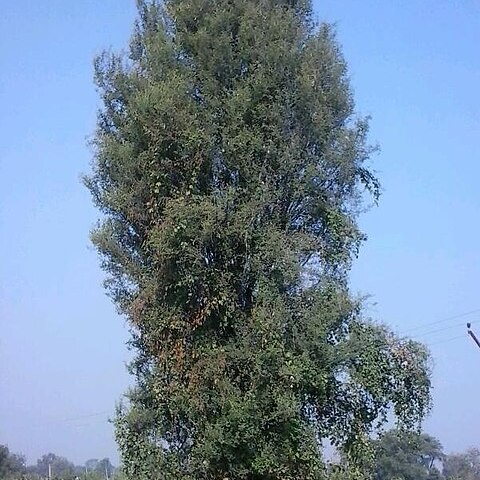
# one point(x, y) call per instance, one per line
point(462, 466)
point(407, 456)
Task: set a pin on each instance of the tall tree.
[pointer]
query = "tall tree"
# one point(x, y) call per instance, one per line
point(231, 168)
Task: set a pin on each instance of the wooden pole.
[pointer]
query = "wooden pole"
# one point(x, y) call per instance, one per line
point(474, 337)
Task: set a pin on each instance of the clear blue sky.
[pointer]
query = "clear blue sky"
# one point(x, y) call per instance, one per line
point(415, 68)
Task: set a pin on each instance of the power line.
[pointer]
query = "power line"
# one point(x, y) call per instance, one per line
point(81, 417)
point(72, 419)
point(474, 337)
point(88, 424)
point(447, 340)
point(354, 351)
point(432, 332)
point(442, 320)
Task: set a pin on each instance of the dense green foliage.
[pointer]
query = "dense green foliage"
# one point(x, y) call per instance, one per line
point(397, 454)
point(407, 456)
point(402, 455)
point(231, 168)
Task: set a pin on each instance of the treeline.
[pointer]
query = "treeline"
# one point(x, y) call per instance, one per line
point(395, 455)
point(13, 466)
point(399, 455)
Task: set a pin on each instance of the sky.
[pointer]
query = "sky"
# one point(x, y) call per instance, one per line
point(414, 68)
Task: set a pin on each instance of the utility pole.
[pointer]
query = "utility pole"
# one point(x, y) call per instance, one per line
point(474, 337)
point(49, 471)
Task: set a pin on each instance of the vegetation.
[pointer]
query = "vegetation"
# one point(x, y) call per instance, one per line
point(60, 467)
point(230, 168)
point(463, 466)
point(407, 456)
point(397, 455)
point(11, 464)
point(404, 455)
point(13, 467)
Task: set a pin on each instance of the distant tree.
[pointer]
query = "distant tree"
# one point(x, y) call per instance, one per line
point(231, 168)
point(4, 459)
point(462, 466)
point(103, 467)
point(91, 464)
point(79, 470)
point(61, 468)
point(407, 456)
point(11, 464)
point(32, 473)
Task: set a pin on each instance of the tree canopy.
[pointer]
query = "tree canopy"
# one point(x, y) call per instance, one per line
point(407, 456)
point(230, 168)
